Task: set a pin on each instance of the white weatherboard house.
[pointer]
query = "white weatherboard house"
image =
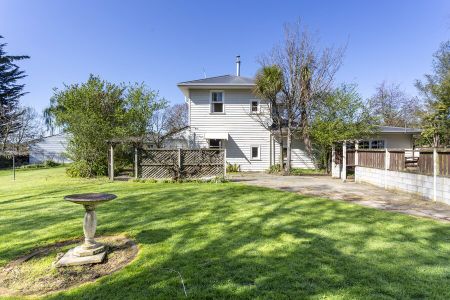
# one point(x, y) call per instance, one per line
point(220, 116)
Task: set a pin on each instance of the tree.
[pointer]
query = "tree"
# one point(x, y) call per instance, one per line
point(436, 91)
point(268, 85)
point(167, 121)
point(10, 93)
point(393, 107)
point(308, 74)
point(30, 130)
point(341, 115)
point(96, 111)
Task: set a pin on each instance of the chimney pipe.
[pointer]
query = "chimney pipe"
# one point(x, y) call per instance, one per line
point(238, 65)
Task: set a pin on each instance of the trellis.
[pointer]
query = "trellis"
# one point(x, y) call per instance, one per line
point(181, 163)
point(170, 163)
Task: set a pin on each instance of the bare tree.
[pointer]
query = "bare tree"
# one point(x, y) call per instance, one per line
point(166, 122)
point(31, 129)
point(393, 107)
point(308, 74)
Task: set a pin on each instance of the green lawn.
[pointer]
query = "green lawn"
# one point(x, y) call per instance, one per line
point(231, 241)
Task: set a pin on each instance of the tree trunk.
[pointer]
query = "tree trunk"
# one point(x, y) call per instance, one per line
point(281, 158)
point(288, 146)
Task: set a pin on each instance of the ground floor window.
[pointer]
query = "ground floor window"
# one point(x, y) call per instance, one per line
point(215, 143)
point(255, 152)
point(377, 144)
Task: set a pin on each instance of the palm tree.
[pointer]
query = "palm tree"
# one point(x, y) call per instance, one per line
point(269, 82)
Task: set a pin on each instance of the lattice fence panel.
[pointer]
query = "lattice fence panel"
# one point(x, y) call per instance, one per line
point(182, 163)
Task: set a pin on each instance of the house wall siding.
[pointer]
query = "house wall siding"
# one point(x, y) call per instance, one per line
point(243, 129)
point(299, 156)
point(50, 148)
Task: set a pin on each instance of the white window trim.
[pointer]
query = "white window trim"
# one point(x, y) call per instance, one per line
point(259, 152)
point(259, 106)
point(211, 102)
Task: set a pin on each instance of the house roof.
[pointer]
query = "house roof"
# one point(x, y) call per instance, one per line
point(224, 80)
point(393, 129)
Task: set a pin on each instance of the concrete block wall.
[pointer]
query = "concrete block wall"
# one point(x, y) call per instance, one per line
point(421, 185)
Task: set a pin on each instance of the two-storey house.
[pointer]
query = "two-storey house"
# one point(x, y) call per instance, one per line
point(222, 115)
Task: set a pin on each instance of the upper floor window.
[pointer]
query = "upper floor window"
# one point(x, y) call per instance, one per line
point(254, 106)
point(217, 102)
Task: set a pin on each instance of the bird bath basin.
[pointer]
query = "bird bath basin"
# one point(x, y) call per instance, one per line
point(90, 251)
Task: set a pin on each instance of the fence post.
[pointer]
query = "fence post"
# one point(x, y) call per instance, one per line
point(224, 162)
point(435, 170)
point(111, 175)
point(387, 160)
point(179, 163)
point(344, 161)
point(135, 162)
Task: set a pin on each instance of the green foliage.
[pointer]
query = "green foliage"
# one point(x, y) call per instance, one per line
point(341, 115)
point(275, 169)
point(301, 171)
point(436, 90)
point(96, 111)
point(79, 168)
point(50, 163)
point(10, 93)
point(233, 168)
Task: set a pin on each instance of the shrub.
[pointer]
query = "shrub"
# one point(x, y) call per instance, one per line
point(50, 163)
point(233, 168)
point(79, 169)
point(275, 169)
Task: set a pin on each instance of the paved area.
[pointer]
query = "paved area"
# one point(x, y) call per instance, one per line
point(363, 194)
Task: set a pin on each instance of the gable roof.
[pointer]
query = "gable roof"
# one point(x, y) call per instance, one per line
point(224, 80)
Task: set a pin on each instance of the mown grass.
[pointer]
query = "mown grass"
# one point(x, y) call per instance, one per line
point(231, 241)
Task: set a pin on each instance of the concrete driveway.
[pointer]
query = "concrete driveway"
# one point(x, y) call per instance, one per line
point(363, 194)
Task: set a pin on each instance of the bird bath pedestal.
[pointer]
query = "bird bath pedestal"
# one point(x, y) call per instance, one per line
point(90, 251)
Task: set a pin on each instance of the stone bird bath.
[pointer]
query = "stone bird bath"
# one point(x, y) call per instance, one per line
point(90, 251)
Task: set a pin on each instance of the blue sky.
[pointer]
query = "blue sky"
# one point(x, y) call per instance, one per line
point(165, 42)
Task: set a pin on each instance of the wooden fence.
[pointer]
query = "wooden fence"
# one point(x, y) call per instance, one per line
point(373, 158)
point(443, 162)
point(181, 163)
point(397, 161)
point(424, 164)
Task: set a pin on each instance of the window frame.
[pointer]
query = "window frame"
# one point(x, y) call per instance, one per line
point(378, 142)
point(220, 144)
point(259, 152)
point(258, 107)
point(211, 102)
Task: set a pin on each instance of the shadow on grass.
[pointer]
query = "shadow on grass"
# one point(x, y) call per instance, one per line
point(235, 241)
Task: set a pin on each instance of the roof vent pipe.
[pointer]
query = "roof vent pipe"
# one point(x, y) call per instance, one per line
point(238, 65)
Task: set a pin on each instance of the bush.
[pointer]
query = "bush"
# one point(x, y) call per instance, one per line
point(300, 171)
point(33, 166)
point(233, 168)
point(79, 169)
point(50, 163)
point(275, 169)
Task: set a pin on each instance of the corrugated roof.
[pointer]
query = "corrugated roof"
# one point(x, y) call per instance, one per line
point(230, 80)
point(393, 129)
